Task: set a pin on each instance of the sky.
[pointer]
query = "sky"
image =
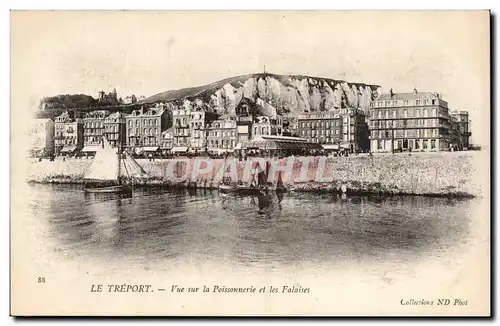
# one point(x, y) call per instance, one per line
point(148, 52)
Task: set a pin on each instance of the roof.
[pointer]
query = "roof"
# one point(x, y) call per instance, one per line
point(407, 96)
point(147, 112)
point(95, 114)
point(261, 108)
point(171, 129)
point(116, 115)
point(282, 138)
point(268, 144)
point(179, 149)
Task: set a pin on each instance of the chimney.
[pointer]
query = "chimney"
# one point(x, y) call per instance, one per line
point(414, 91)
point(391, 93)
point(438, 96)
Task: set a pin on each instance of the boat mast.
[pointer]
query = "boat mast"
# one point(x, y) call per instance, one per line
point(119, 159)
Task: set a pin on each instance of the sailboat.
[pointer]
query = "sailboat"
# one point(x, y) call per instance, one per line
point(109, 167)
point(279, 186)
point(255, 186)
point(226, 185)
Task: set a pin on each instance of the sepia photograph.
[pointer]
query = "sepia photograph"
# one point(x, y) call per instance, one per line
point(250, 163)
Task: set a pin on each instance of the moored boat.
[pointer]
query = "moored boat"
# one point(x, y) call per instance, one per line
point(106, 173)
point(279, 186)
point(110, 189)
point(226, 188)
point(248, 188)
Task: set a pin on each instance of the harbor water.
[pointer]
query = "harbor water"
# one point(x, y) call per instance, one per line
point(264, 231)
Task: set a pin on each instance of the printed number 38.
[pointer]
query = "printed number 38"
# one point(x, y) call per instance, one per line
point(41, 280)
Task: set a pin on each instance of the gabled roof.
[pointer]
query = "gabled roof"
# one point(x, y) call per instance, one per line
point(407, 96)
point(264, 109)
point(169, 130)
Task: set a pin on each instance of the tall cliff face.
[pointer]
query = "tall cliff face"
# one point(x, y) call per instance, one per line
point(291, 95)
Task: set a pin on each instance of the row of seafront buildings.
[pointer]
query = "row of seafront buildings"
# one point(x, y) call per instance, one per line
point(159, 128)
point(395, 122)
point(403, 121)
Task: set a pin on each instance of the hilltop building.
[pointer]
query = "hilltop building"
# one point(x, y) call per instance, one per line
point(108, 99)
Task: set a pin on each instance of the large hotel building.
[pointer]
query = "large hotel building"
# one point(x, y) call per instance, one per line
point(343, 129)
point(411, 121)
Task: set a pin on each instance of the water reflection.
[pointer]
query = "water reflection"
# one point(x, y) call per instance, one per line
point(263, 229)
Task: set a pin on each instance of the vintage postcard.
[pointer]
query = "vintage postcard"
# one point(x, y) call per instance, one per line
point(250, 163)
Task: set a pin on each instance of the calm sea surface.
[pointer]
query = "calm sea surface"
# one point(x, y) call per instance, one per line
point(259, 231)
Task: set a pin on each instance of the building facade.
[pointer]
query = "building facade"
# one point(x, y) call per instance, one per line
point(93, 130)
point(181, 126)
point(409, 121)
point(345, 128)
point(167, 139)
point(268, 126)
point(41, 135)
point(257, 118)
point(145, 127)
point(114, 129)
point(198, 123)
point(222, 136)
point(462, 129)
point(69, 133)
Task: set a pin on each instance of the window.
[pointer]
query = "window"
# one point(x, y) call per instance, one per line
point(433, 143)
point(405, 102)
point(417, 113)
point(433, 102)
point(387, 114)
point(156, 130)
point(130, 123)
point(393, 114)
point(394, 103)
point(336, 131)
point(405, 113)
point(425, 113)
point(434, 112)
point(145, 131)
point(418, 102)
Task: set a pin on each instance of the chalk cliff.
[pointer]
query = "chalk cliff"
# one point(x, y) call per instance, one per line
point(290, 94)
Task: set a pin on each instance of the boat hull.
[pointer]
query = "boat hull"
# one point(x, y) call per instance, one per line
point(276, 188)
point(247, 189)
point(227, 188)
point(109, 190)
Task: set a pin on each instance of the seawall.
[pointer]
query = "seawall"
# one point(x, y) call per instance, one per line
point(431, 174)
